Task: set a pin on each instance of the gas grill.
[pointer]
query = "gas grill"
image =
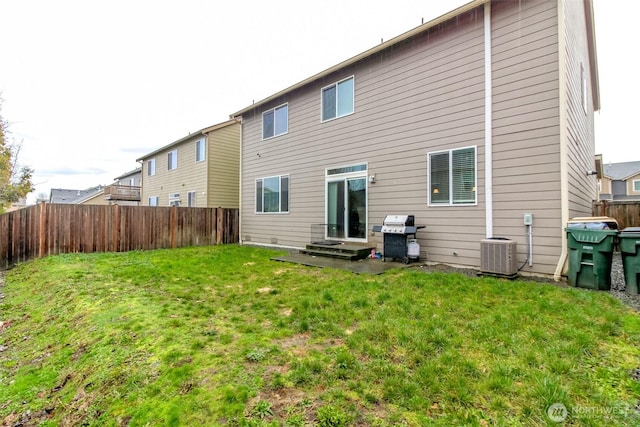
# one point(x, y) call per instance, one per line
point(396, 229)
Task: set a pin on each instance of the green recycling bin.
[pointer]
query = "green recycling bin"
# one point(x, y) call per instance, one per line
point(630, 250)
point(590, 245)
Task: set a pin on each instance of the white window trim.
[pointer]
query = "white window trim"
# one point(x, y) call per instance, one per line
point(274, 122)
point(175, 155)
point(153, 162)
point(336, 85)
point(255, 205)
point(451, 204)
point(204, 151)
point(634, 183)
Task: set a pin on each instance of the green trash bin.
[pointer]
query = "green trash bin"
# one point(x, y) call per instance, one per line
point(630, 250)
point(590, 243)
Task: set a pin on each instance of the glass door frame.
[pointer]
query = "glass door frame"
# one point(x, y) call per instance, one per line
point(335, 175)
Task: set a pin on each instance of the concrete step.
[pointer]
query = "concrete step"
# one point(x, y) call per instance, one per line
point(347, 252)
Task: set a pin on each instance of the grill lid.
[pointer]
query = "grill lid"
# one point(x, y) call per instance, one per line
point(398, 224)
point(399, 220)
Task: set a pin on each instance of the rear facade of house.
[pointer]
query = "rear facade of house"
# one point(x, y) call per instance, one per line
point(467, 122)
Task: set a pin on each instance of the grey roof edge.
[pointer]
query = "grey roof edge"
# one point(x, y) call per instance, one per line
point(621, 170)
point(131, 172)
point(80, 195)
point(203, 131)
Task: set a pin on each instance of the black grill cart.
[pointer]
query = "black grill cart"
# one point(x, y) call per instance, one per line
point(396, 230)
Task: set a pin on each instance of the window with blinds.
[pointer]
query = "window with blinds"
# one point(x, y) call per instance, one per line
point(452, 177)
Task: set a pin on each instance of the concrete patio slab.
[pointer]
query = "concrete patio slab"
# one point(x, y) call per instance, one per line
point(363, 266)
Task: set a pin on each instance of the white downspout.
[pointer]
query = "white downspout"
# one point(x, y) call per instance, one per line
point(240, 182)
point(488, 123)
point(564, 168)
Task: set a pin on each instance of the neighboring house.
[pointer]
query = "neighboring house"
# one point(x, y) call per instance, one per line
point(199, 170)
point(468, 122)
point(132, 178)
point(620, 181)
point(126, 189)
point(89, 196)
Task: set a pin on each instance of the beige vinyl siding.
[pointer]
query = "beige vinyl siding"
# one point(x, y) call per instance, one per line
point(223, 154)
point(580, 128)
point(188, 176)
point(526, 152)
point(214, 181)
point(98, 199)
point(423, 95)
point(606, 186)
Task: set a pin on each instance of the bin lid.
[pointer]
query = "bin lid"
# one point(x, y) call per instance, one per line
point(593, 223)
point(630, 230)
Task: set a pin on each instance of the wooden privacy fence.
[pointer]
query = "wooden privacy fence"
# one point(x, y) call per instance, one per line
point(50, 229)
point(626, 212)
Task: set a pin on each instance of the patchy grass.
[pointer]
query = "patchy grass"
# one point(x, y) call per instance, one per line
point(223, 336)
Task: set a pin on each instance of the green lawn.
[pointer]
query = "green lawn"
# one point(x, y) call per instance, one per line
point(224, 336)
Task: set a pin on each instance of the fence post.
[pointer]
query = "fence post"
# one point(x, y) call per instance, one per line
point(42, 238)
point(219, 226)
point(173, 226)
point(115, 228)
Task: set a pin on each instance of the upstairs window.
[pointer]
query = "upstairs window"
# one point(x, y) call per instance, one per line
point(452, 177)
point(338, 99)
point(636, 186)
point(151, 167)
point(172, 160)
point(275, 122)
point(272, 194)
point(200, 150)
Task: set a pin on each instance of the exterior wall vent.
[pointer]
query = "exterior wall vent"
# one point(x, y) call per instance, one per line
point(498, 256)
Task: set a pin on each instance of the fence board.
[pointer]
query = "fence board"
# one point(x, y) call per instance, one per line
point(626, 212)
point(51, 229)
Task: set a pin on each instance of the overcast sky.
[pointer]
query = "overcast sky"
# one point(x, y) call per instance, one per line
point(91, 85)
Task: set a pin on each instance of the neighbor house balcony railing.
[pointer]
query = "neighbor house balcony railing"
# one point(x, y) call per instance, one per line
point(122, 192)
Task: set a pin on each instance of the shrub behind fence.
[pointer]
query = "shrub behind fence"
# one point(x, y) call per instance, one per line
point(49, 229)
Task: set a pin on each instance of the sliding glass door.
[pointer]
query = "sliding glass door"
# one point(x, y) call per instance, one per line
point(347, 207)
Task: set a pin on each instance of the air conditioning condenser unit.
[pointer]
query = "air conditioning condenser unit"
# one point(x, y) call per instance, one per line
point(498, 256)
